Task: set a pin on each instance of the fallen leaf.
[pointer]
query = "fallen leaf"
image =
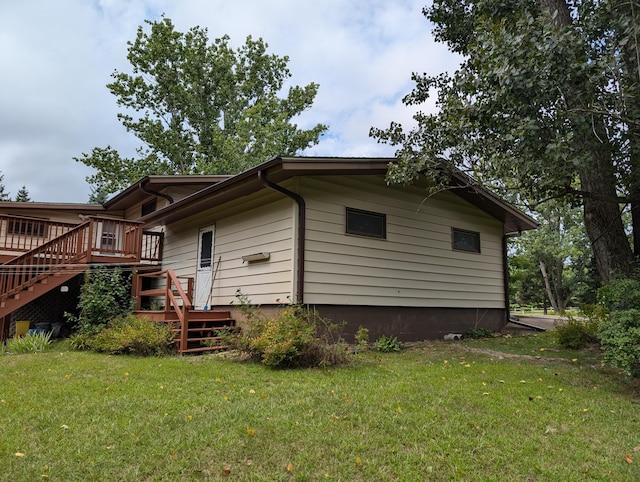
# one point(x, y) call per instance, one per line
point(251, 432)
point(636, 448)
point(628, 459)
point(290, 468)
point(358, 462)
point(226, 471)
point(19, 454)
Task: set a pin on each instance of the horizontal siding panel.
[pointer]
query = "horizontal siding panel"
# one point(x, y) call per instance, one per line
point(415, 265)
point(328, 299)
point(369, 256)
point(396, 284)
point(412, 271)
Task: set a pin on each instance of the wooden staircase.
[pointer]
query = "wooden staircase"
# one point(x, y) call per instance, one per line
point(197, 331)
point(54, 262)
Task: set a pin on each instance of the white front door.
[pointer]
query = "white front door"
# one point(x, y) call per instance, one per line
point(204, 271)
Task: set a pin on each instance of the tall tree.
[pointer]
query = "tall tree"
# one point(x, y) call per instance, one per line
point(23, 195)
point(4, 196)
point(201, 107)
point(545, 96)
point(560, 254)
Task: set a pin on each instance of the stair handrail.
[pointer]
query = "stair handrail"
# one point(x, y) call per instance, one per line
point(32, 266)
point(181, 310)
point(73, 247)
point(173, 293)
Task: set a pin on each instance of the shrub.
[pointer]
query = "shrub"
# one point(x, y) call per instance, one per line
point(105, 295)
point(295, 337)
point(388, 344)
point(620, 294)
point(477, 333)
point(29, 343)
point(620, 341)
point(362, 339)
point(133, 335)
point(577, 334)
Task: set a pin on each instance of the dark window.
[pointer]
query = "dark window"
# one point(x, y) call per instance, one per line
point(366, 223)
point(29, 228)
point(149, 207)
point(465, 240)
point(206, 245)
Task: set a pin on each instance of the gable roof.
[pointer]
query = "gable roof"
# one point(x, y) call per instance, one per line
point(279, 169)
point(150, 185)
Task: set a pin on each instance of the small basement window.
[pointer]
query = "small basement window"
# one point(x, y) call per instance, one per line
point(366, 223)
point(463, 240)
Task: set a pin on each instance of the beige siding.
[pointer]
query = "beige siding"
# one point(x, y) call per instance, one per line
point(415, 265)
point(259, 223)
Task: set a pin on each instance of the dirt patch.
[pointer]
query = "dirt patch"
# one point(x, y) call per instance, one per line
point(500, 354)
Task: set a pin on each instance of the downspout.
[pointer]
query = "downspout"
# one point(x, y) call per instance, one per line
point(141, 185)
point(301, 229)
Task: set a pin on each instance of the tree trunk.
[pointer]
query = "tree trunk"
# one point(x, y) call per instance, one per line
point(547, 287)
point(602, 216)
point(603, 221)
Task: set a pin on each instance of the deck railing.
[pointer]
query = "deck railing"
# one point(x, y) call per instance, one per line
point(176, 299)
point(98, 240)
point(19, 233)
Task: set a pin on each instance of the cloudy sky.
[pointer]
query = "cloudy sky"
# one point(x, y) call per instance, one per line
point(57, 57)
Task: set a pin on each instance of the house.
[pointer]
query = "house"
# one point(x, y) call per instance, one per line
point(329, 233)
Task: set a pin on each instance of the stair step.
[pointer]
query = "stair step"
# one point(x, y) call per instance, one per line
point(206, 328)
point(204, 338)
point(201, 349)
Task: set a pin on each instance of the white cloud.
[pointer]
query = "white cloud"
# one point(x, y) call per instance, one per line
point(58, 57)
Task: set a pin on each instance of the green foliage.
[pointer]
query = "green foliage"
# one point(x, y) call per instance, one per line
point(105, 295)
point(362, 338)
point(201, 107)
point(620, 341)
point(80, 341)
point(577, 334)
point(543, 106)
point(620, 333)
point(23, 195)
point(388, 344)
point(4, 196)
point(133, 335)
point(30, 343)
point(295, 336)
point(477, 333)
point(620, 294)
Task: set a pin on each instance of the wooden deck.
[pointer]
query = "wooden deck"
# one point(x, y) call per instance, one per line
point(41, 255)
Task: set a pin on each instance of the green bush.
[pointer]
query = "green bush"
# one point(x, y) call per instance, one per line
point(105, 295)
point(133, 335)
point(477, 333)
point(577, 334)
point(388, 344)
point(620, 341)
point(295, 337)
point(620, 294)
point(30, 343)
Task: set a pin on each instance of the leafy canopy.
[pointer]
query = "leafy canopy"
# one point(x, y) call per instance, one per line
point(544, 104)
point(201, 108)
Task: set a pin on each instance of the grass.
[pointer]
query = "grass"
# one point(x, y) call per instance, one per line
point(438, 411)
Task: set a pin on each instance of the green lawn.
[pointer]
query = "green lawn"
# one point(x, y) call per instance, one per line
point(439, 411)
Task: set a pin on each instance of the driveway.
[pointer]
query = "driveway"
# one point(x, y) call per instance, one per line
point(542, 322)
